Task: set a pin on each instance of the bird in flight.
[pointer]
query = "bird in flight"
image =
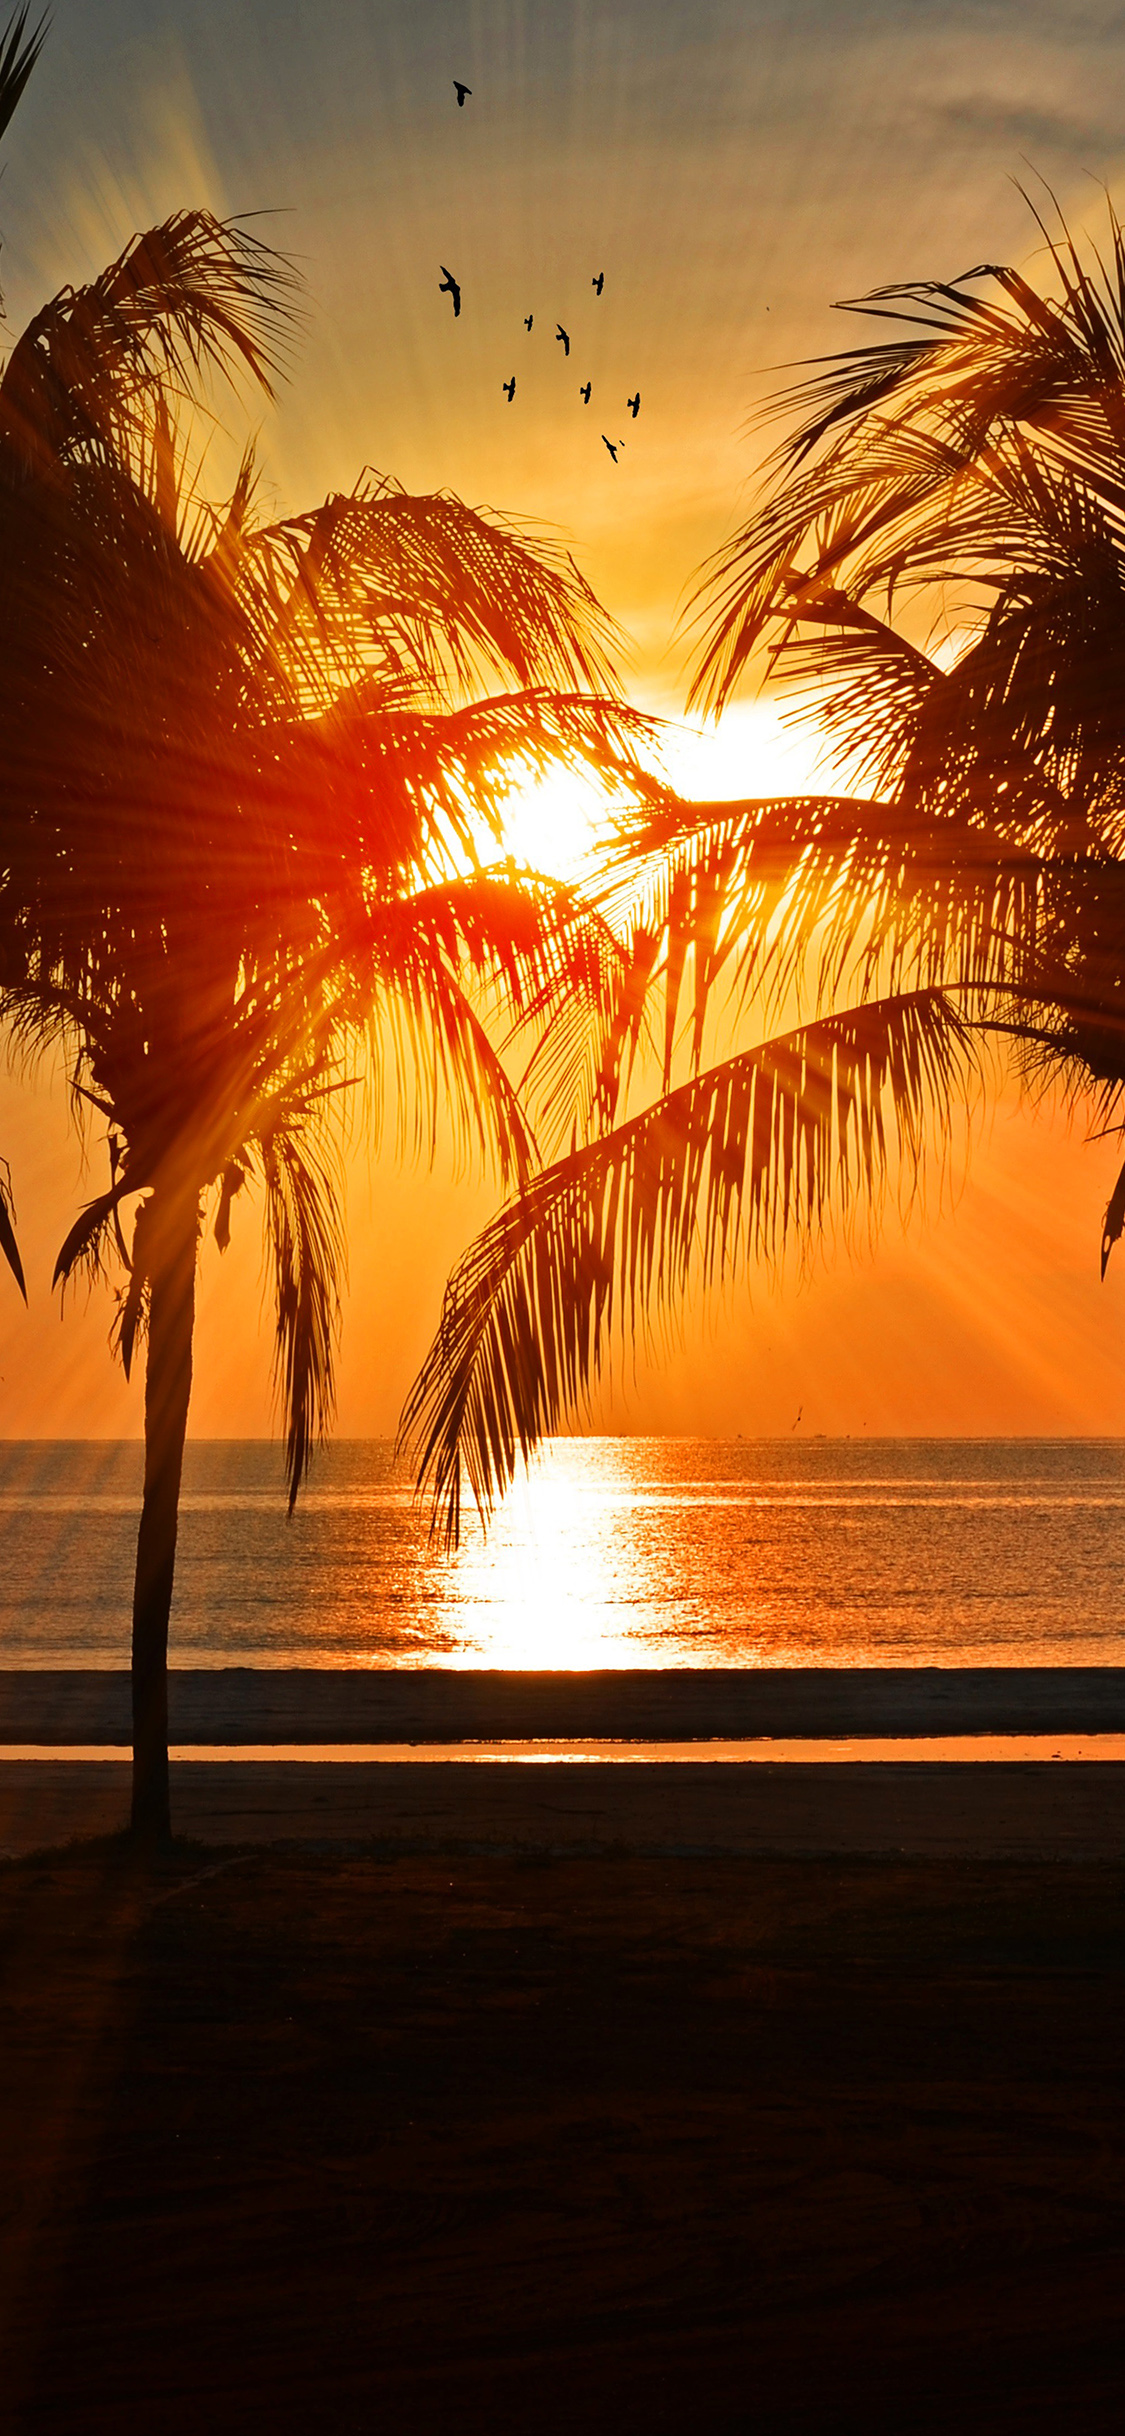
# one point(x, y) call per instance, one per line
point(529, 320)
point(564, 335)
point(509, 388)
point(634, 405)
point(584, 394)
point(613, 446)
point(598, 283)
point(464, 93)
point(800, 1410)
point(449, 286)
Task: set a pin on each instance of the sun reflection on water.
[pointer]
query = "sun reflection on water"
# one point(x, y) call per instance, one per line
point(559, 1581)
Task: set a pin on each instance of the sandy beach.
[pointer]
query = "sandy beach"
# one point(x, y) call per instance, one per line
point(329, 2140)
point(936, 1809)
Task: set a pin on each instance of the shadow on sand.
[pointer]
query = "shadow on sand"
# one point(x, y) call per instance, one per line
point(333, 2140)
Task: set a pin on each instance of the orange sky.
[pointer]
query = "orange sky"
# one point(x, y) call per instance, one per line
point(733, 168)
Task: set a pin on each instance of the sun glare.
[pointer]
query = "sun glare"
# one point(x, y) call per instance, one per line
point(552, 821)
point(557, 1583)
point(752, 751)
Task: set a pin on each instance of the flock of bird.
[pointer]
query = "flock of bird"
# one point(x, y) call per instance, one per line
point(451, 287)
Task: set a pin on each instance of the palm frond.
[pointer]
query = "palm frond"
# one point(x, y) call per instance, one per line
point(790, 902)
point(8, 1244)
point(397, 797)
point(83, 1245)
point(133, 1310)
point(993, 363)
point(231, 1183)
point(19, 51)
point(1113, 1224)
point(871, 688)
point(306, 1247)
point(447, 1069)
point(421, 592)
point(543, 962)
point(872, 500)
point(735, 1162)
point(890, 440)
point(194, 294)
point(461, 765)
point(1055, 364)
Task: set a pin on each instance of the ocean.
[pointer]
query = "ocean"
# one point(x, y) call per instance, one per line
point(614, 1552)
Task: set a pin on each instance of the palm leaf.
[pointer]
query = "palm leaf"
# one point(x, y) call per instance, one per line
point(447, 1067)
point(8, 1245)
point(403, 795)
point(423, 592)
point(796, 900)
point(83, 1244)
point(232, 1180)
point(306, 1245)
point(19, 51)
point(1113, 1224)
point(890, 440)
point(135, 1303)
point(736, 1161)
point(880, 493)
point(871, 687)
point(191, 295)
point(539, 957)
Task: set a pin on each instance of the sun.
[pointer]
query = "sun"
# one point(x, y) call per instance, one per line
point(553, 818)
point(754, 750)
point(552, 821)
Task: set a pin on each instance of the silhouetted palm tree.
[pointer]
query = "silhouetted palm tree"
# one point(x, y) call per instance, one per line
point(18, 54)
point(938, 566)
point(247, 789)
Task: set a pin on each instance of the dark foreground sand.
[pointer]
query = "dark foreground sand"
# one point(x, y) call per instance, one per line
point(927, 1808)
point(325, 2142)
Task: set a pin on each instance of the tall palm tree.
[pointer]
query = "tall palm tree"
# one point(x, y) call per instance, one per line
point(937, 565)
point(19, 51)
point(249, 781)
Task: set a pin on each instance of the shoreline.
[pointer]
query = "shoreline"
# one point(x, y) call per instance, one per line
point(434, 1705)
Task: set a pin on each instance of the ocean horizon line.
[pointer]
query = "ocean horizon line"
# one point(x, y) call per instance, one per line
point(778, 1437)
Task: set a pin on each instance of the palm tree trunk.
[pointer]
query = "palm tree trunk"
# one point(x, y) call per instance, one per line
point(172, 1237)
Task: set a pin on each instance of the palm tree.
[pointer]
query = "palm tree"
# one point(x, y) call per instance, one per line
point(961, 485)
point(18, 54)
point(938, 564)
point(249, 780)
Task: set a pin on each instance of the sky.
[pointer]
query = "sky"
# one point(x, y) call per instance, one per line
point(733, 170)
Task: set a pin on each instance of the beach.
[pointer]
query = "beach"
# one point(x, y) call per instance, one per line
point(985, 1763)
point(1036, 1810)
point(330, 2139)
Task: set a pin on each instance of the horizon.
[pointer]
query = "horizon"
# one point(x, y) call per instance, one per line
point(569, 1437)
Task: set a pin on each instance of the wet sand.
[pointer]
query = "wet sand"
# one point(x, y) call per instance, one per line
point(325, 2141)
point(308, 1704)
point(925, 1807)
